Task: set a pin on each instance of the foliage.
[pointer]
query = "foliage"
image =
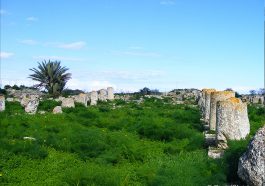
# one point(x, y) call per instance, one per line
point(51, 75)
point(151, 143)
point(48, 105)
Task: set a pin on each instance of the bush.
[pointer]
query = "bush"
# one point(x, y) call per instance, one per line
point(48, 105)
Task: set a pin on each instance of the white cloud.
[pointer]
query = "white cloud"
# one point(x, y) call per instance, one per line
point(58, 58)
point(144, 75)
point(32, 18)
point(74, 45)
point(88, 85)
point(29, 42)
point(167, 2)
point(5, 55)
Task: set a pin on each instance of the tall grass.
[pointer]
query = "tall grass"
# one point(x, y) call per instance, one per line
point(152, 143)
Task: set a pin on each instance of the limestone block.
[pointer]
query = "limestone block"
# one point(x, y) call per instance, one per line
point(207, 100)
point(57, 110)
point(232, 120)
point(103, 95)
point(2, 103)
point(68, 103)
point(32, 104)
point(110, 91)
point(215, 97)
point(81, 98)
point(251, 166)
point(93, 98)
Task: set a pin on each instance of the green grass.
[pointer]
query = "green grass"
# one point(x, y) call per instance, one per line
point(154, 143)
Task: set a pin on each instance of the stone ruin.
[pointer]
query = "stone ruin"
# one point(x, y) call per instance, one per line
point(110, 91)
point(253, 99)
point(30, 103)
point(206, 100)
point(232, 121)
point(103, 95)
point(226, 116)
point(2, 103)
point(57, 110)
point(68, 103)
point(251, 166)
point(93, 98)
point(81, 98)
point(214, 98)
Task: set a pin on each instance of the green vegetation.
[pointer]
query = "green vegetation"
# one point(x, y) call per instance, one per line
point(113, 143)
point(52, 76)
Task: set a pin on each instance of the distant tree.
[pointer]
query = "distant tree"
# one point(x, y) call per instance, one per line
point(145, 91)
point(51, 75)
point(7, 87)
point(237, 95)
point(252, 92)
point(261, 91)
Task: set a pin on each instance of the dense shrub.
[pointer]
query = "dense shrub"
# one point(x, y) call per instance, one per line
point(149, 143)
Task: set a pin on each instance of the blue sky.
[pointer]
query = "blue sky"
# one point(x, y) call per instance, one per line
point(130, 44)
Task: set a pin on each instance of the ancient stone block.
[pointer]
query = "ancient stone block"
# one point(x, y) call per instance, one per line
point(32, 104)
point(93, 98)
point(251, 166)
point(68, 103)
point(232, 120)
point(217, 96)
point(2, 103)
point(57, 110)
point(103, 95)
point(110, 91)
point(81, 98)
point(206, 94)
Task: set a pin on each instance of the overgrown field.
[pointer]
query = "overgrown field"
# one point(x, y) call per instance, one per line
point(152, 143)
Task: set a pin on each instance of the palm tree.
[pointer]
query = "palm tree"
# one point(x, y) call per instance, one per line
point(51, 75)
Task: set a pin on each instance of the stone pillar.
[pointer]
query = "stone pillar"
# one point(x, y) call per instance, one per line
point(2, 103)
point(251, 165)
point(207, 101)
point(93, 98)
point(110, 93)
point(81, 98)
point(68, 103)
point(32, 104)
point(103, 95)
point(217, 96)
point(232, 120)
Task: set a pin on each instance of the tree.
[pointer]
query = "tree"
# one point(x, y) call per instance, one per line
point(51, 75)
point(145, 91)
point(252, 92)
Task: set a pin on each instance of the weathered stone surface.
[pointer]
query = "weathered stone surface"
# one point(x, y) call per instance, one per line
point(68, 103)
point(103, 95)
point(2, 103)
point(81, 98)
point(9, 99)
point(24, 101)
point(24, 92)
point(93, 98)
point(217, 96)
point(110, 91)
point(32, 104)
point(232, 120)
point(251, 167)
point(215, 153)
point(206, 93)
point(57, 110)
point(42, 112)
